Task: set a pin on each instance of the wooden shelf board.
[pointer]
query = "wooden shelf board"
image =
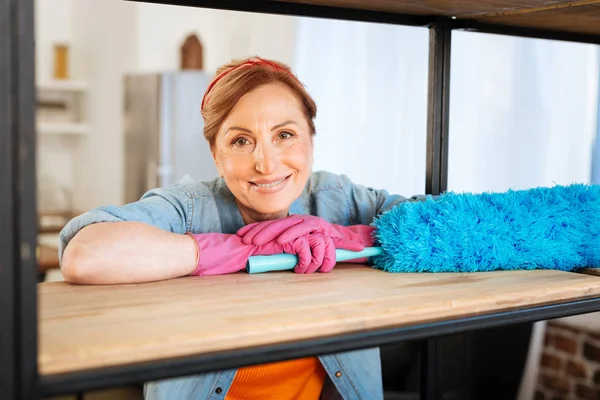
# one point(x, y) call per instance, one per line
point(87, 327)
point(575, 16)
point(56, 128)
point(62, 85)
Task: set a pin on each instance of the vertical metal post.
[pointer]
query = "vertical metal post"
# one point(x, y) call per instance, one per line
point(436, 174)
point(18, 221)
point(438, 111)
point(431, 376)
point(7, 268)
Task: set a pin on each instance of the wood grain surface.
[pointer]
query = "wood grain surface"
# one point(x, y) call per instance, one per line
point(85, 327)
point(577, 16)
point(580, 19)
point(458, 8)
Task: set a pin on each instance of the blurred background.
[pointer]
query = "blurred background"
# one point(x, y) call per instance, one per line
point(119, 90)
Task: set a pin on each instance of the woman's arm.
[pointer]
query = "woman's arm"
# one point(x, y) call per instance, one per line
point(137, 242)
point(127, 252)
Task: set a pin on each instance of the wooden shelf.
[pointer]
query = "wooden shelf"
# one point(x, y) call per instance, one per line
point(62, 85)
point(47, 258)
point(574, 16)
point(56, 128)
point(51, 240)
point(83, 328)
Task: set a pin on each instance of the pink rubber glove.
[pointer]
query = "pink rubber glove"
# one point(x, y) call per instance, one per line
point(353, 238)
point(220, 253)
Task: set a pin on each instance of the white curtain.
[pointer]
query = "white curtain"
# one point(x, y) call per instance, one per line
point(523, 112)
point(596, 151)
point(370, 85)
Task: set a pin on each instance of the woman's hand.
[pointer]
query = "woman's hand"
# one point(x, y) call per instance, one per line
point(220, 253)
point(315, 252)
point(285, 230)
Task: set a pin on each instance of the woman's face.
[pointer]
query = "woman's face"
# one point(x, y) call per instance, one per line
point(264, 151)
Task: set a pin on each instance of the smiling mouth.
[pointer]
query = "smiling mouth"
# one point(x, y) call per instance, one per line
point(270, 184)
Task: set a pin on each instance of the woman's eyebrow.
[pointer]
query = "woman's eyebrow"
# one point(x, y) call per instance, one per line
point(283, 124)
point(237, 128)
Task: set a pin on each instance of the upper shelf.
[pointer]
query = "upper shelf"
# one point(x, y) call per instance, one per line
point(576, 20)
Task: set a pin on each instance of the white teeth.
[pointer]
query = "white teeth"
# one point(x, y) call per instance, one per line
point(269, 184)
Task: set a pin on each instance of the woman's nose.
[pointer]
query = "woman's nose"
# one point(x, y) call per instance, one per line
point(266, 159)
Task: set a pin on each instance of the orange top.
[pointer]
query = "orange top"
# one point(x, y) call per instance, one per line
point(287, 380)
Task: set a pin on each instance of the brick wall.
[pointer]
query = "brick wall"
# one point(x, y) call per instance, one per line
point(570, 364)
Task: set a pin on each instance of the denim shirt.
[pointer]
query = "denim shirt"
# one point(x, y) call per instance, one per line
point(202, 207)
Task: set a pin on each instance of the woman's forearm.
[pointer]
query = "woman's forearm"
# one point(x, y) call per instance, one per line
point(127, 252)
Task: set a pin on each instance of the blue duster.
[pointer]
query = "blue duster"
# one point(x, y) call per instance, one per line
point(545, 228)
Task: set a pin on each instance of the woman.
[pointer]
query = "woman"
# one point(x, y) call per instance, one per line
point(259, 122)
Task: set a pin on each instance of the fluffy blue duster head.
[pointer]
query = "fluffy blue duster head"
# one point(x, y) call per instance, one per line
point(546, 228)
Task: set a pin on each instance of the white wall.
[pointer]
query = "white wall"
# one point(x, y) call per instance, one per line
point(224, 34)
point(110, 38)
point(52, 25)
point(104, 40)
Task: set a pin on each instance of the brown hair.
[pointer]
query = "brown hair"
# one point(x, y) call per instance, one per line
point(239, 77)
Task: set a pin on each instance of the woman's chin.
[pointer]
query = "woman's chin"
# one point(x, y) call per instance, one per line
point(274, 201)
point(277, 208)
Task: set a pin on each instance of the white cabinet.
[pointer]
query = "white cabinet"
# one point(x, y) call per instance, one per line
point(61, 123)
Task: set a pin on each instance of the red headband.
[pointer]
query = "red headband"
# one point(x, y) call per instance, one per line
point(247, 64)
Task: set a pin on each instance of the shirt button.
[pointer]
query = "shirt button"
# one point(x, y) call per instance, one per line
point(338, 374)
point(218, 390)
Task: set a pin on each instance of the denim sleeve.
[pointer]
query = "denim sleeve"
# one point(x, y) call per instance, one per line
point(367, 203)
point(168, 209)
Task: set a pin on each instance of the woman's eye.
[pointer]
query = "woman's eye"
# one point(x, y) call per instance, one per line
point(286, 135)
point(240, 142)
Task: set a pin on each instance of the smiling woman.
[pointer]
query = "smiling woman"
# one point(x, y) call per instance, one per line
point(265, 158)
point(259, 122)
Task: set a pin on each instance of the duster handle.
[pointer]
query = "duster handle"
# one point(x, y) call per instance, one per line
point(281, 262)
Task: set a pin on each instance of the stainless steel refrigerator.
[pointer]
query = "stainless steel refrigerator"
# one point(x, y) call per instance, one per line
point(164, 139)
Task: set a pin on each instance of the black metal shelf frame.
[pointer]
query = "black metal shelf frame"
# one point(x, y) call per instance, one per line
point(19, 377)
point(18, 222)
